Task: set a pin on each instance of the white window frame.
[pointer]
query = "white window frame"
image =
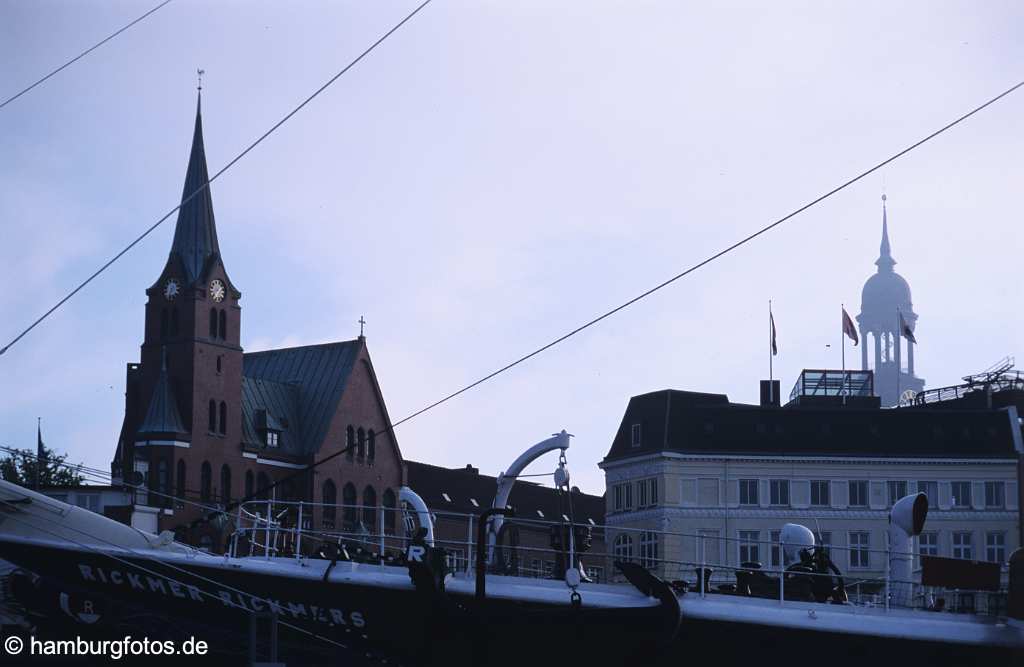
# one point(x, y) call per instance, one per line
point(923, 486)
point(927, 547)
point(860, 549)
point(775, 548)
point(990, 492)
point(995, 553)
point(958, 499)
point(749, 484)
point(893, 485)
point(961, 549)
point(821, 484)
point(860, 483)
point(648, 549)
point(622, 547)
point(775, 488)
point(749, 540)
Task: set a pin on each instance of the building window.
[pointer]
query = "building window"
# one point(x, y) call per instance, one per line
point(930, 489)
point(350, 442)
point(271, 438)
point(779, 492)
point(635, 435)
point(995, 547)
point(180, 480)
point(371, 445)
point(389, 512)
point(212, 424)
point(370, 508)
point(897, 490)
point(860, 549)
point(594, 573)
point(88, 501)
point(163, 484)
point(750, 550)
point(824, 540)
point(647, 492)
point(223, 330)
point(623, 547)
point(623, 497)
point(225, 484)
point(349, 501)
point(995, 495)
point(961, 494)
point(820, 493)
point(361, 442)
point(223, 418)
point(205, 482)
point(775, 538)
point(248, 485)
point(858, 493)
point(220, 363)
point(962, 545)
point(263, 486)
point(329, 499)
point(927, 544)
point(648, 549)
point(213, 323)
point(748, 492)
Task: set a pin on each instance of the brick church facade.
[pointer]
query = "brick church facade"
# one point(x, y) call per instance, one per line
point(206, 424)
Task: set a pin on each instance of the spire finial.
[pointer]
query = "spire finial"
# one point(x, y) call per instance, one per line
point(199, 75)
point(885, 261)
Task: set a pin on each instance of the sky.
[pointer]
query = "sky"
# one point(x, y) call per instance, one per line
point(494, 175)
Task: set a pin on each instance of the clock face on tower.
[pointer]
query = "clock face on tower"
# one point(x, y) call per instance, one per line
point(217, 291)
point(171, 289)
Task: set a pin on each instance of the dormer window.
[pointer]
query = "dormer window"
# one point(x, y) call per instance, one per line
point(635, 436)
point(271, 438)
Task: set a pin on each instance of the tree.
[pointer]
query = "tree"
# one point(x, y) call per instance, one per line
point(20, 468)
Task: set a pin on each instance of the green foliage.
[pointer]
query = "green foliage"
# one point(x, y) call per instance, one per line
point(21, 469)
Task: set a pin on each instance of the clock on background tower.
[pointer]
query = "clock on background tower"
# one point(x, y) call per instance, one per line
point(171, 289)
point(217, 290)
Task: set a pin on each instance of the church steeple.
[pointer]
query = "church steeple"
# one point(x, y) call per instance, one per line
point(195, 235)
point(885, 262)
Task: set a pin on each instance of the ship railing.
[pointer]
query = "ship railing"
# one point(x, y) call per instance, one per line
point(380, 535)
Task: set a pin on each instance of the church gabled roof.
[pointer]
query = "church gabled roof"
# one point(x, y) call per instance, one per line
point(306, 382)
point(162, 417)
point(195, 235)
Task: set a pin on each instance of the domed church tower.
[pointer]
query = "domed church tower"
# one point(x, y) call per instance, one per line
point(886, 296)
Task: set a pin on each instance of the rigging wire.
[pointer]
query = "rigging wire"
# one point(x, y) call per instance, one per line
point(223, 169)
point(82, 54)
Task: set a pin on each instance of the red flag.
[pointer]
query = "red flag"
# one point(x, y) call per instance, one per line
point(775, 347)
point(906, 331)
point(849, 329)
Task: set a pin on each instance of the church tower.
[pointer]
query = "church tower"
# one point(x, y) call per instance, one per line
point(886, 297)
point(183, 401)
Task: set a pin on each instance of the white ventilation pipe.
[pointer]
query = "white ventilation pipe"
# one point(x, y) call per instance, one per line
point(906, 521)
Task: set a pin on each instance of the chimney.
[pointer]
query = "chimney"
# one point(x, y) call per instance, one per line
point(471, 470)
point(770, 394)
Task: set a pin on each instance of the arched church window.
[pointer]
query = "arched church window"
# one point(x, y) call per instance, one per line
point(225, 484)
point(223, 418)
point(220, 362)
point(330, 499)
point(371, 445)
point(164, 323)
point(213, 323)
point(361, 442)
point(248, 484)
point(174, 321)
point(180, 479)
point(350, 441)
point(205, 482)
point(163, 483)
point(223, 324)
point(212, 425)
point(390, 506)
point(262, 482)
point(370, 508)
point(348, 498)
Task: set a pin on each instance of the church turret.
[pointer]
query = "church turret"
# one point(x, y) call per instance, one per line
point(884, 299)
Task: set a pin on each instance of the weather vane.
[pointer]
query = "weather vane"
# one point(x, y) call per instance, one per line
point(200, 73)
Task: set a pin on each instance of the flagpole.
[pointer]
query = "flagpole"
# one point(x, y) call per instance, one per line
point(771, 369)
point(895, 345)
point(842, 344)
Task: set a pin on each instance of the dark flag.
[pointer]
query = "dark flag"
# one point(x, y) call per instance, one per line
point(906, 331)
point(775, 347)
point(848, 327)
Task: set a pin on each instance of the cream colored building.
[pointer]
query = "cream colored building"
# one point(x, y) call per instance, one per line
point(685, 465)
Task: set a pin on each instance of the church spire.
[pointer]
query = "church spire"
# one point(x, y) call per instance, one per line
point(885, 262)
point(195, 235)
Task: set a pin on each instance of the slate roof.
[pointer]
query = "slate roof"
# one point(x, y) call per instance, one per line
point(162, 416)
point(460, 484)
point(299, 387)
point(195, 234)
point(693, 423)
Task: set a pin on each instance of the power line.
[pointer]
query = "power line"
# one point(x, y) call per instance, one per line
point(82, 54)
point(223, 169)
